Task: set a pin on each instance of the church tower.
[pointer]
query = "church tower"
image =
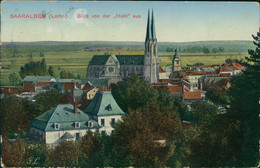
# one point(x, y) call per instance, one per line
point(151, 64)
point(176, 62)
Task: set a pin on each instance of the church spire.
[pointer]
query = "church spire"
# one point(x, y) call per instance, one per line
point(153, 28)
point(148, 30)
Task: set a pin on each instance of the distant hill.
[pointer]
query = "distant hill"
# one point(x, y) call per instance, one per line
point(229, 46)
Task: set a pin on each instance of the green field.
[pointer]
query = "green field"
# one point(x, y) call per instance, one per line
point(77, 61)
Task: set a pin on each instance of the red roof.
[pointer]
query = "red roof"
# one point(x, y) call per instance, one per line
point(225, 75)
point(238, 65)
point(161, 70)
point(224, 69)
point(171, 89)
point(192, 95)
point(186, 124)
point(225, 64)
point(234, 68)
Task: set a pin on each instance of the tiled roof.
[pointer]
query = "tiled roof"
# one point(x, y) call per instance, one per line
point(170, 88)
point(161, 70)
point(238, 65)
point(234, 68)
point(186, 124)
point(224, 69)
point(192, 95)
point(104, 104)
point(98, 82)
point(123, 59)
point(99, 59)
point(130, 59)
point(38, 78)
point(64, 115)
point(175, 89)
point(225, 75)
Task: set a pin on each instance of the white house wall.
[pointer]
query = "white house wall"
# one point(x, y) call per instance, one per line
point(108, 119)
point(54, 137)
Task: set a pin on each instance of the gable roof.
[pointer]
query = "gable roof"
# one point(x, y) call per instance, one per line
point(98, 82)
point(38, 79)
point(224, 69)
point(123, 59)
point(130, 59)
point(192, 95)
point(161, 70)
point(104, 104)
point(64, 115)
point(99, 59)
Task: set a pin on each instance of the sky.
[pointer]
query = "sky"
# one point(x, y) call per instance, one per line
point(174, 21)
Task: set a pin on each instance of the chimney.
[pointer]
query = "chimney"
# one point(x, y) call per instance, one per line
point(75, 106)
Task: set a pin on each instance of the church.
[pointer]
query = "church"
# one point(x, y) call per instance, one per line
point(117, 67)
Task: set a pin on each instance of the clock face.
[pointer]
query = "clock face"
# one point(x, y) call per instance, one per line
point(110, 69)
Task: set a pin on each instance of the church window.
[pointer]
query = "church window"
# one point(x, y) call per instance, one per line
point(110, 69)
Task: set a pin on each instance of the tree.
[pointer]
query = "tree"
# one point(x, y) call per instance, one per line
point(41, 54)
point(14, 79)
point(14, 118)
point(204, 144)
point(205, 50)
point(34, 68)
point(133, 92)
point(12, 153)
point(139, 131)
point(66, 75)
point(245, 95)
point(35, 155)
point(214, 50)
point(47, 100)
point(66, 154)
point(51, 71)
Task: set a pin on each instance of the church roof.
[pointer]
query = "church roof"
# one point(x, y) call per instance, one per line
point(104, 104)
point(99, 59)
point(130, 59)
point(123, 59)
point(64, 115)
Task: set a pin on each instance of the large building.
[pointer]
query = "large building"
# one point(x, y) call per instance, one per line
point(116, 67)
point(68, 122)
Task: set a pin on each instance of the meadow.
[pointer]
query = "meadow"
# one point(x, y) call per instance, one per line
point(77, 61)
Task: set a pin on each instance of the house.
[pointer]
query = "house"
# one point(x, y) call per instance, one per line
point(105, 111)
point(192, 97)
point(63, 122)
point(162, 74)
point(37, 83)
point(68, 122)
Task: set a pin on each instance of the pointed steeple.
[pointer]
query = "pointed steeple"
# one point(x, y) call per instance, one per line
point(176, 56)
point(148, 30)
point(153, 28)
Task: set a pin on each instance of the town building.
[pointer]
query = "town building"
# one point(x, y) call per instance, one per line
point(105, 111)
point(116, 67)
point(68, 122)
point(176, 62)
point(37, 84)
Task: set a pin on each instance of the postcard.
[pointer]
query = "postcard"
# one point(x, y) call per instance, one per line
point(129, 84)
